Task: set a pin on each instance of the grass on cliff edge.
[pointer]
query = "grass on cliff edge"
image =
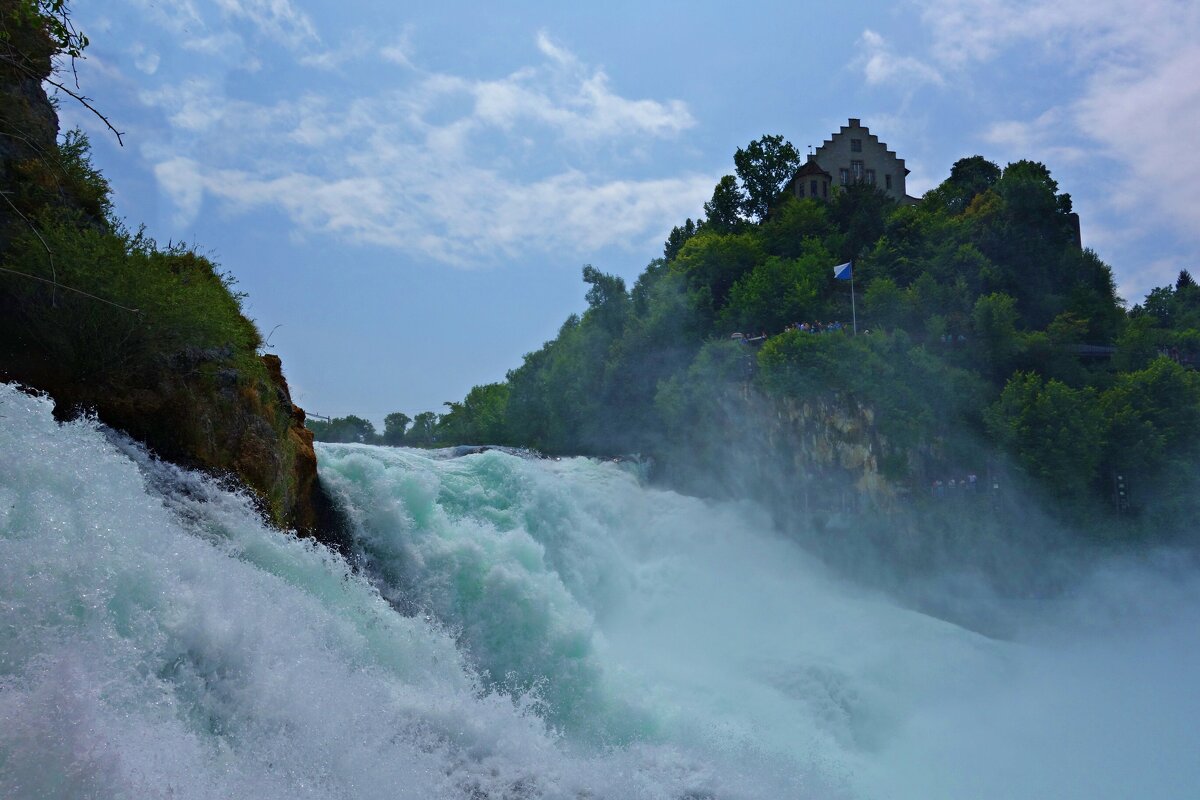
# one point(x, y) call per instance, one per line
point(106, 305)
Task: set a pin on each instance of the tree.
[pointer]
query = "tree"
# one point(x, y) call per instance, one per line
point(884, 303)
point(995, 324)
point(478, 419)
point(793, 223)
point(968, 177)
point(344, 430)
point(777, 293)
point(860, 211)
point(423, 429)
point(713, 263)
point(679, 235)
point(1056, 433)
point(764, 166)
point(394, 426)
point(607, 300)
point(724, 209)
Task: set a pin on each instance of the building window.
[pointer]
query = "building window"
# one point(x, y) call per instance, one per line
point(825, 188)
point(799, 188)
point(870, 177)
point(856, 170)
point(856, 145)
point(845, 175)
point(887, 180)
point(812, 188)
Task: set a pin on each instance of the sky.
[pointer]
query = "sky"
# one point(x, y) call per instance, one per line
point(407, 192)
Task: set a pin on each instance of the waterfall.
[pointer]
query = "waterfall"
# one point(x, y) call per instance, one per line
point(512, 627)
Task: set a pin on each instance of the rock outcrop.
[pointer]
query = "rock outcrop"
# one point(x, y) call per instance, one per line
point(222, 409)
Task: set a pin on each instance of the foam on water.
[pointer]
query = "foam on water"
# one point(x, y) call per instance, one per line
point(525, 628)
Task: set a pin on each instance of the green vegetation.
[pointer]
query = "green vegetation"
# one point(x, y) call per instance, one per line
point(987, 336)
point(151, 339)
point(107, 305)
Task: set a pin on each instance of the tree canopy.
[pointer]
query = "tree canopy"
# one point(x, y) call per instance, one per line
point(988, 334)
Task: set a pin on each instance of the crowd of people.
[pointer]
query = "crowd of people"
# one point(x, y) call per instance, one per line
point(803, 327)
point(816, 327)
point(954, 487)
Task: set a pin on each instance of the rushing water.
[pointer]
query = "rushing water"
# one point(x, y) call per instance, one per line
point(524, 628)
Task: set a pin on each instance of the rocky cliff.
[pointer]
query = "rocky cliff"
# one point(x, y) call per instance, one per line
point(181, 372)
point(811, 455)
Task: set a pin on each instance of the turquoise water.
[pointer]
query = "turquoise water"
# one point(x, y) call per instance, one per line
point(535, 629)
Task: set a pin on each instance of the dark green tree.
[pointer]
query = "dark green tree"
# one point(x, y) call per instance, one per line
point(424, 430)
point(344, 430)
point(764, 166)
point(608, 302)
point(679, 235)
point(394, 426)
point(478, 419)
point(779, 292)
point(995, 333)
point(969, 177)
point(1056, 433)
point(723, 211)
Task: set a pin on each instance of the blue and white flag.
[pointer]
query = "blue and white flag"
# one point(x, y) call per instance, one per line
point(842, 271)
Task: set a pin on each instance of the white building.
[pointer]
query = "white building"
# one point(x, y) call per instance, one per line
point(852, 155)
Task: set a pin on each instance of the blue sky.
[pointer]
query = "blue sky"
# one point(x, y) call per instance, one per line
point(409, 191)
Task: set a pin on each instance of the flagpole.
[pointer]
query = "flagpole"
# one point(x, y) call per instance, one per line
point(853, 312)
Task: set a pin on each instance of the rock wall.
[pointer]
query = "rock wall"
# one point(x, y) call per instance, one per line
point(828, 435)
point(809, 457)
point(205, 408)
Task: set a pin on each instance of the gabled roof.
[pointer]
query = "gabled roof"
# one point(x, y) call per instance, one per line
point(856, 126)
point(811, 167)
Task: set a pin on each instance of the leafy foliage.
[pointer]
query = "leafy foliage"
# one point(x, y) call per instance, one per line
point(764, 166)
point(105, 304)
point(343, 430)
point(992, 336)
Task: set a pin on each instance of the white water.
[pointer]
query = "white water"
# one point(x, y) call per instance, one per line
point(568, 632)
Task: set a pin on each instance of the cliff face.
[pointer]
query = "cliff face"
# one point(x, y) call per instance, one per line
point(812, 456)
point(220, 408)
point(828, 435)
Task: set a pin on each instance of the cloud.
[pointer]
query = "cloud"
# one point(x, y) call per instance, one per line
point(277, 19)
point(400, 50)
point(1131, 107)
point(177, 16)
point(881, 66)
point(144, 59)
point(1042, 135)
point(459, 170)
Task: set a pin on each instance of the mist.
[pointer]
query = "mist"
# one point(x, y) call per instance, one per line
point(513, 626)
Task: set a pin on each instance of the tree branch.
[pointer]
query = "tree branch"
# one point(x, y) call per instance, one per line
point(81, 99)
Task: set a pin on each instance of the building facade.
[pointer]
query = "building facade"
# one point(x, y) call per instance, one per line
point(853, 155)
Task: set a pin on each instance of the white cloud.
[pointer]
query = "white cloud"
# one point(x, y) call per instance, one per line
point(459, 170)
point(882, 66)
point(215, 44)
point(399, 50)
point(1132, 104)
point(144, 59)
point(276, 19)
point(1043, 135)
point(177, 16)
point(569, 96)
